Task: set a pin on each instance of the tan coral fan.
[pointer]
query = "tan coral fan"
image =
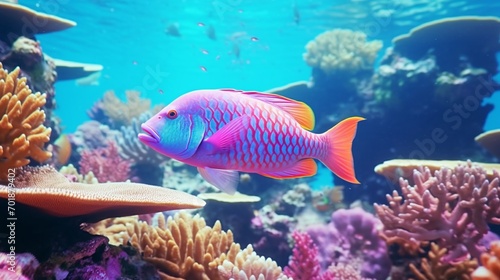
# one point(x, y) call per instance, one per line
point(22, 134)
point(44, 188)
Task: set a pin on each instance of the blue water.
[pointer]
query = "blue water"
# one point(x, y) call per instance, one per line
point(128, 38)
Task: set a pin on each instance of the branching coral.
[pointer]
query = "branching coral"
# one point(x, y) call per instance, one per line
point(121, 113)
point(131, 148)
point(247, 265)
point(106, 164)
point(184, 247)
point(341, 50)
point(451, 208)
point(22, 134)
point(434, 268)
point(490, 269)
point(304, 263)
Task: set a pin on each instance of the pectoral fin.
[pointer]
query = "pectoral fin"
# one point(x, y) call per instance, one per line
point(224, 180)
point(303, 168)
point(225, 139)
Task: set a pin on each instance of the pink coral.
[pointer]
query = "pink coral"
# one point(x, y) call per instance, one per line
point(106, 164)
point(452, 208)
point(304, 263)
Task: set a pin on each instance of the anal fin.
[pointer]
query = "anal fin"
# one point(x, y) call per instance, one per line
point(225, 180)
point(303, 168)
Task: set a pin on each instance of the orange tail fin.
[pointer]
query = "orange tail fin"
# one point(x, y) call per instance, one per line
point(339, 157)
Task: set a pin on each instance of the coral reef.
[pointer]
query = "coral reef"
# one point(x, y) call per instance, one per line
point(490, 269)
point(451, 207)
point(341, 50)
point(185, 178)
point(106, 164)
point(70, 172)
point(147, 164)
point(434, 268)
point(44, 189)
point(352, 235)
point(184, 247)
point(132, 149)
point(21, 265)
point(91, 135)
point(235, 212)
point(304, 263)
point(119, 113)
point(22, 133)
point(38, 68)
point(274, 231)
point(247, 265)
point(396, 168)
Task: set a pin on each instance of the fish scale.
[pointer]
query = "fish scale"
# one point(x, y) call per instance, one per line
point(222, 132)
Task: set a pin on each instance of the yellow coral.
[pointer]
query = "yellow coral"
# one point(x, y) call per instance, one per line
point(342, 50)
point(22, 133)
point(122, 113)
point(70, 172)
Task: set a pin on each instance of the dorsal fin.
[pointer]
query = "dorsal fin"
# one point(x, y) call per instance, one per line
point(300, 111)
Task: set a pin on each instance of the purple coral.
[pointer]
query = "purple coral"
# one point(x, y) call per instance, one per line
point(352, 235)
point(452, 208)
point(304, 263)
point(106, 164)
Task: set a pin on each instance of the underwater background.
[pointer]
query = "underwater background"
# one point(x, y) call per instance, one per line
point(85, 199)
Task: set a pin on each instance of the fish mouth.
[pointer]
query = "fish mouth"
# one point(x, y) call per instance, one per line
point(150, 135)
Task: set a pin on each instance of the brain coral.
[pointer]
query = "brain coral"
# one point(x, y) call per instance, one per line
point(22, 133)
point(341, 50)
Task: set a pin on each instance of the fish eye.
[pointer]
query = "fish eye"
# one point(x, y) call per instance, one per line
point(172, 114)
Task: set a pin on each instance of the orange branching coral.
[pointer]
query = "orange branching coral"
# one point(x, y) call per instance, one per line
point(184, 247)
point(433, 268)
point(22, 133)
point(122, 113)
point(491, 264)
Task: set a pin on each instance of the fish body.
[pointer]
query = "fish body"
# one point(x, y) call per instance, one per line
point(225, 131)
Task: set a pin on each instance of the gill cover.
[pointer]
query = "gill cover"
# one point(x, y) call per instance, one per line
point(184, 135)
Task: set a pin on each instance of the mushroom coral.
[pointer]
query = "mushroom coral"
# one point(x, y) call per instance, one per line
point(184, 247)
point(22, 133)
point(342, 50)
point(48, 191)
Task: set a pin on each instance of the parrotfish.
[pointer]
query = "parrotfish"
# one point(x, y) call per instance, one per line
point(222, 132)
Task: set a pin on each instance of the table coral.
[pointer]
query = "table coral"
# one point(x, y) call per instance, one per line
point(22, 133)
point(452, 208)
point(44, 189)
point(341, 50)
